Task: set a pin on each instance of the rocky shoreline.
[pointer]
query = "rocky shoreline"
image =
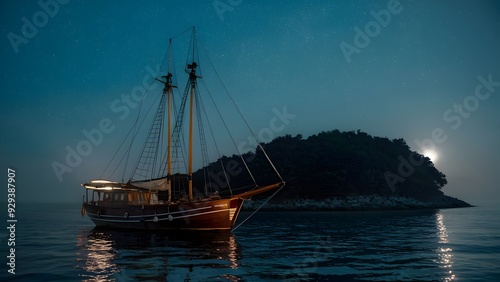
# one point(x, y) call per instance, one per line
point(358, 203)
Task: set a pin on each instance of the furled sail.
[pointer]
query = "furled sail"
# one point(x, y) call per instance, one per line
point(153, 184)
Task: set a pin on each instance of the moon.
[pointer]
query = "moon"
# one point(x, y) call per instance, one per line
point(431, 154)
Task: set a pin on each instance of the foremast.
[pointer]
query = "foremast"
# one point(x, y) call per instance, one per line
point(167, 90)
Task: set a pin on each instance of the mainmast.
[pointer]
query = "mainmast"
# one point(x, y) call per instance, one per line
point(192, 80)
point(191, 70)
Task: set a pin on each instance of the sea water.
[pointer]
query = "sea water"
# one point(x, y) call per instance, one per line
point(54, 243)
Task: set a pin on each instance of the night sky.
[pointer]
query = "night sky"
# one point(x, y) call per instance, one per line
point(425, 71)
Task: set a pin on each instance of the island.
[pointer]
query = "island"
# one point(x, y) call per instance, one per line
point(342, 170)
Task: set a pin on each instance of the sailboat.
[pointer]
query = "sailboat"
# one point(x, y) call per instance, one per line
point(158, 196)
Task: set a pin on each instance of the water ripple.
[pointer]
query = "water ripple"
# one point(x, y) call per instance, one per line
point(428, 245)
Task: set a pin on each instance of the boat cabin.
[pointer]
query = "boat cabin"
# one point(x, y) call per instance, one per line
point(112, 194)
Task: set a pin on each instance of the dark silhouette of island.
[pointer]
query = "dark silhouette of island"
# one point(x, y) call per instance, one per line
point(336, 170)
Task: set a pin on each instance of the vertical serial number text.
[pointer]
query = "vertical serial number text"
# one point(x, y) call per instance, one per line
point(11, 220)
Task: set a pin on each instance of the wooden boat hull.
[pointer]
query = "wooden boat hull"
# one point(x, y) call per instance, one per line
point(219, 214)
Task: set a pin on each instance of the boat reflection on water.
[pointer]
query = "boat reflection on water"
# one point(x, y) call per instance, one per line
point(96, 255)
point(110, 255)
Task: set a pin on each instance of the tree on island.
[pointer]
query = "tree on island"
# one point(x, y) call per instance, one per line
point(336, 164)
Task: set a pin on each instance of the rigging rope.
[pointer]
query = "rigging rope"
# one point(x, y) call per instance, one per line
point(265, 202)
point(241, 114)
point(147, 140)
point(229, 133)
point(215, 144)
point(125, 139)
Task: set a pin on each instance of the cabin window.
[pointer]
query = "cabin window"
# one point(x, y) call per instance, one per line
point(142, 197)
point(133, 197)
point(154, 198)
point(119, 197)
point(101, 196)
point(146, 197)
point(107, 196)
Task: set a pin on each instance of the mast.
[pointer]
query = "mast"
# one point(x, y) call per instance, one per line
point(168, 90)
point(192, 79)
point(168, 86)
point(191, 70)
